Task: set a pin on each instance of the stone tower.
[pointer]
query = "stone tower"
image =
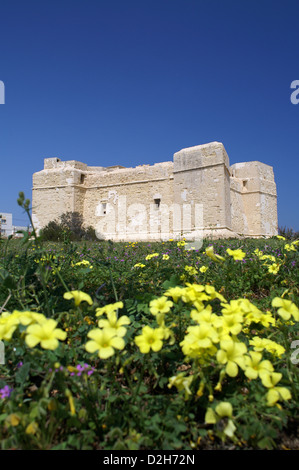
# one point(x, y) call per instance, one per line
point(197, 191)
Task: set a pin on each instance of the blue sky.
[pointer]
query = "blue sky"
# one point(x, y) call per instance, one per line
point(130, 82)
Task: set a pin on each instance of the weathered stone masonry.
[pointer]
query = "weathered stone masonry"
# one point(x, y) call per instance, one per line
point(198, 190)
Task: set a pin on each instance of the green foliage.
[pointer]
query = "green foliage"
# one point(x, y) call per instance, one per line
point(288, 233)
point(68, 397)
point(69, 227)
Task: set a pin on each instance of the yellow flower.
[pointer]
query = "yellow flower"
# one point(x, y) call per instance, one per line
point(153, 255)
point(267, 319)
point(160, 305)
point(7, 330)
point(199, 337)
point(167, 333)
point(269, 257)
point(258, 253)
point(223, 410)
point(194, 293)
point(256, 316)
point(213, 294)
point(255, 367)
point(165, 257)
point(231, 308)
point(115, 324)
point(182, 383)
point(84, 263)
point(242, 307)
point(13, 419)
point(270, 380)
point(139, 265)
point(231, 354)
point(175, 292)
point(280, 237)
point(204, 316)
point(109, 308)
point(275, 393)
point(286, 308)
point(203, 269)
point(181, 244)
point(9, 318)
point(151, 338)
point(46, 334)
point(274, 268)
point(32, 428)
point(238, 255)
point(210, 253)
point(274, 348)
point(192, 271)
point(104, 341)
point(78, 297)
point(230, 323)
point(27, 317)
point(259, 344)
point(289, 247)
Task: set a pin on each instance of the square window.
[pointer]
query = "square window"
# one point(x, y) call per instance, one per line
point(157, 203)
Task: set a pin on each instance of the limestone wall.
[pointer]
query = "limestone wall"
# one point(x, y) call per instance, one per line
point(198, 190)
point(257, 191)
point(121, 202)
point(201, 175)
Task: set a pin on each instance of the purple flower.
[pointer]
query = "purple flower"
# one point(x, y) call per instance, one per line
point(5, 391)
point(85, 368)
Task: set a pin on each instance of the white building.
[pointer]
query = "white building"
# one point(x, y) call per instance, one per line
point(6, 224)
point(7, 227)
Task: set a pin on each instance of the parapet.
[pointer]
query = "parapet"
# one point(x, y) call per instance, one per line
point(200, 156)
point(254, 176)
point(56, 163)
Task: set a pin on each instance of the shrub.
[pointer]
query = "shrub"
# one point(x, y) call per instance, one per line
point(69, 227)
point(288, 233)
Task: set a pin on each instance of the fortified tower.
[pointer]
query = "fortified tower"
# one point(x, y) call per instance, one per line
point(197, 191)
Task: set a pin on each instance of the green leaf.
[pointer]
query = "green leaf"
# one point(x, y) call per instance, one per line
point(172, 282)
point(22, 373)
point(3, 417)
point(61, 446)
point(9, 282)
point(25, 236)
point(266, 443)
